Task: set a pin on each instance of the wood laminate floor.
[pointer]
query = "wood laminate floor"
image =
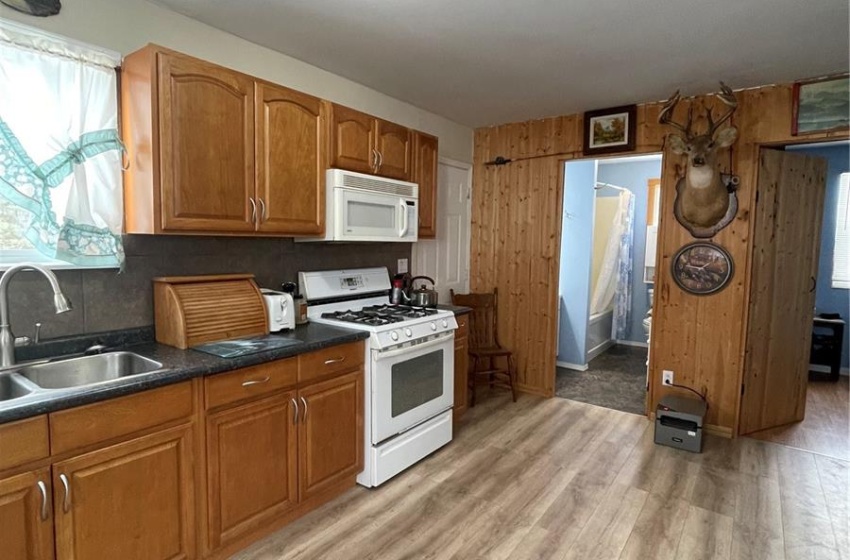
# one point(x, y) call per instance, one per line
point(554, 478)
point(826, 428)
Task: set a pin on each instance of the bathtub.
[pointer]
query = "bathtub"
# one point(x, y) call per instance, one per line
point(599, 329)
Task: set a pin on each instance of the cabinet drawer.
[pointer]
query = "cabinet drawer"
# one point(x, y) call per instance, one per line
point(93, 423)
point(317, 365)
point(23, 442)
point(263, 379)
point(462, 326)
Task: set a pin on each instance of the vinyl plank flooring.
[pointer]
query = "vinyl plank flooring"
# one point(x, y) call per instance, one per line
point(555, 479)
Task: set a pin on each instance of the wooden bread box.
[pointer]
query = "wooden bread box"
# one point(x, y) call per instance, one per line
point(193, 310)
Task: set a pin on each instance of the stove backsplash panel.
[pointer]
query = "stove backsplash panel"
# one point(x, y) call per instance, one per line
point(106, 300)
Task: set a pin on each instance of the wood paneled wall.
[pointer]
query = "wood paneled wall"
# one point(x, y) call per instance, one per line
point(516, 229)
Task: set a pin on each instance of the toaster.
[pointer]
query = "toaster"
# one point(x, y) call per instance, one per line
point(280, 309)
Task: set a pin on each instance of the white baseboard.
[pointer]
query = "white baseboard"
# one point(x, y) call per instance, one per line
point(819, 368)
point(593, 352)
point(633, 343)
point(575, 367)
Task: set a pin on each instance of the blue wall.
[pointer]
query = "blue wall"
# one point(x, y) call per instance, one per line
point(576, 249)
point(828, 299)
point(634, 176)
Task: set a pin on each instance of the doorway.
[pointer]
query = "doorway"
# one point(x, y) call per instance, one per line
point(821, 422)
point(607, 261)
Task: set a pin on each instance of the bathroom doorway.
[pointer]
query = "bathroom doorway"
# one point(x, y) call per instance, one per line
point(608, 245)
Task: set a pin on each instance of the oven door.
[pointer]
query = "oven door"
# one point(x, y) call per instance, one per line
point(364, 216)
point(411, 384)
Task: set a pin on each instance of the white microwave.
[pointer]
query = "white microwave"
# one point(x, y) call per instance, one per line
point(362, 207)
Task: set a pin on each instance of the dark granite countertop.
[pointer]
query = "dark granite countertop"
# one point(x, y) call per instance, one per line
point(177, 365)
point(456, 309)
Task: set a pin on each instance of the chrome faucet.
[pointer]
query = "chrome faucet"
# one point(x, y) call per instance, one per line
point(7, 339)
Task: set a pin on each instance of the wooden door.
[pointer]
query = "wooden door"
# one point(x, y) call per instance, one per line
point(461, 368)
point(353, 140)
point(394, 144)
point(206, 131)
point(26, 517)
point(330, 436)
point(292, 152)
point(252, 466)
point(789, 207)
point(133, 501)
point(425, 174)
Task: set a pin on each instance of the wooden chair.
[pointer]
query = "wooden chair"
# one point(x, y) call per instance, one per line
point(484, 347)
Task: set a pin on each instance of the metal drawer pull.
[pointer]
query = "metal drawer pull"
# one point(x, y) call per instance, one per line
point(66, 504)
point(304, 402)
point(294, 411)
point(43, 488)
point(256, 381)
point(334, 360)
point(264, 213)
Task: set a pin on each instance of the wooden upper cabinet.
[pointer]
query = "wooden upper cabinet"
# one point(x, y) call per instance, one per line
point(134, 500)
point(253, 465)
point(331, 433)
point(394, 147)
point(353, 140)
point(425, 174)
point(292, 156)
point(206, 150)
point(26, 517)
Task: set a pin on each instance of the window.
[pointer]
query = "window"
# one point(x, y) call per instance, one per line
point(60, 154)
point(841, 251)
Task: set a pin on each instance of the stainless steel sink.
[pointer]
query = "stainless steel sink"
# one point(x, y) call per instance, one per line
point(10, 388)
point(87, 370)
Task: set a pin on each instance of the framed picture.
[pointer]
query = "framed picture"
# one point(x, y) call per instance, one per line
point(611, 130)
point(702, 268)
point(821, 105)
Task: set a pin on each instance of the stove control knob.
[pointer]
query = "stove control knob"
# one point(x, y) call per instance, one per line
point(408, 332)
point(394, 335)
point(433, 326)
point(445, 323)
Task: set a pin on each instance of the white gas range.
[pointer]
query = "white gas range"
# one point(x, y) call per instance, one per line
point(409, 381)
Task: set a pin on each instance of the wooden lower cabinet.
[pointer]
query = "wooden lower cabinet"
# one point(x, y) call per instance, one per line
point(252, 466)
point(330, 438)
point(461, 367)
point(26, 516)
point(133, 500)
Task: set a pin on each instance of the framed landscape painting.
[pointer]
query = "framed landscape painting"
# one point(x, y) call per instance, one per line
point(609, 130)
point(821, 105)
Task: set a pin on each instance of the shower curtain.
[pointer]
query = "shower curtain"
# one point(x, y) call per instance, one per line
point(615, 278)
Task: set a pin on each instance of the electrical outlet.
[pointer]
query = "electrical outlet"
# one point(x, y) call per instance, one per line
point(402, 266)
point(667, 377)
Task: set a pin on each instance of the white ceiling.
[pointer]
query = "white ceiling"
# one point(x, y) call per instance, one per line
point(483, 62)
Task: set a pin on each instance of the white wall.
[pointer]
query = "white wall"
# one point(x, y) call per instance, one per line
point(126, 25)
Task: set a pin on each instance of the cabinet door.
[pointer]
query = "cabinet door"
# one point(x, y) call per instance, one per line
point(425, 174)
point(395, 148)
point(330, 438)
point(26, 517)
point(133, 501)
point(353, 140)
point(292, 156)
point(252, 466)
point(206, 131)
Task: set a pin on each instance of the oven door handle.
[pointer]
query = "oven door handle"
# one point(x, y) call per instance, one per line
point(383, 355)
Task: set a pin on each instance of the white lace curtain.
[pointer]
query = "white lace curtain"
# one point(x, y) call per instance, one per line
point(60, 152)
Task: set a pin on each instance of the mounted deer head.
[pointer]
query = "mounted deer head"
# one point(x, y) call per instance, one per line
point(705, 196)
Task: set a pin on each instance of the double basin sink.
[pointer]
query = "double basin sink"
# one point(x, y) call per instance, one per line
point(40, 378)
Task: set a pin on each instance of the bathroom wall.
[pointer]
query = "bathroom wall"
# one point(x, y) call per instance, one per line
point(107, 300)
point(633, 175)
point(576, 249)
point(603, 220)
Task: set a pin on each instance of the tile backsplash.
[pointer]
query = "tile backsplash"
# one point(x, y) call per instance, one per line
point(107, 300)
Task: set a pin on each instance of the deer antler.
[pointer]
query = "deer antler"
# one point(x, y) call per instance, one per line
point(667, 112)
point(726, 96)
